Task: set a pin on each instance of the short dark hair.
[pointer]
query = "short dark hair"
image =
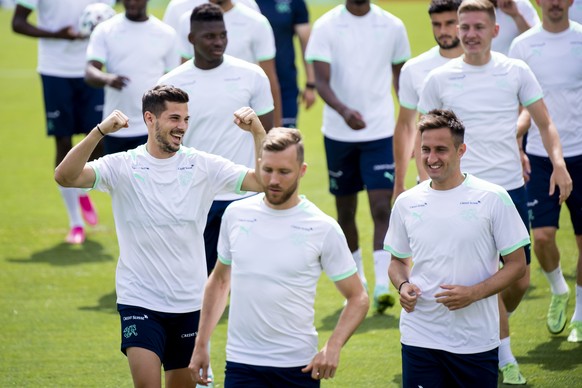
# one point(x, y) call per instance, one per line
point(154, 100)
point(478, 6)
point(207, 12)
point(440, 6)
point(443, 118)
point(279, 139)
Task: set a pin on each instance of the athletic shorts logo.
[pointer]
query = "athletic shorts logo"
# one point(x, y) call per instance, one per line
point(129, 331)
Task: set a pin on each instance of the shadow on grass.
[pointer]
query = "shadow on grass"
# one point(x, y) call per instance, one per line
point(549, 356)
point(371, 323)
point(64, 254)
point(107, 304)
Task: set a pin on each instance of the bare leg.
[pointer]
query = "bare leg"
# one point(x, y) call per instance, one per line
point(145, 367)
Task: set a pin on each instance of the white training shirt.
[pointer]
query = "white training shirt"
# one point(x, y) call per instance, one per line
point(60, 57)
point(507, 27)
point(141, 51)
point(250, 36)
point(454, 237)
point(160, 208)
point(575, 11)
point(361, 51)
point(214, 97)
point(556, 60)
point(486, 99)
point(176, 8)
point(277, 257)
point(414, 73)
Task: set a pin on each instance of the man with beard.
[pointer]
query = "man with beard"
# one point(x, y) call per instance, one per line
point(443, 17)
point(136, 49)
point(161, 192)
point(484, 87)
point(357, 50)
point(553, 53)
point(272, 250)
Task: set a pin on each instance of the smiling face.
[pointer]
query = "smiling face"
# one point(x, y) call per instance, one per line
point(167, 130)
point(476, 31)
point(441, 158)
point(280, 172)
point(444, 28)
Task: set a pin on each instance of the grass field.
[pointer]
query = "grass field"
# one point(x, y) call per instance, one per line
point(58, 324)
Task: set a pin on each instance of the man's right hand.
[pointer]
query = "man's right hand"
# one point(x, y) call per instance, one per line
point(67, 33)
point(199, 364)
point(353, 118)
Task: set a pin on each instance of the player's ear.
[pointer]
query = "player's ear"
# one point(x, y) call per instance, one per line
point(148, 117)
point(461, 150)
point(303, 170)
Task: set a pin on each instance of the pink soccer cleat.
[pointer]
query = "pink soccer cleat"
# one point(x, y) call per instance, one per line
point(88, 211)
point(76, 236)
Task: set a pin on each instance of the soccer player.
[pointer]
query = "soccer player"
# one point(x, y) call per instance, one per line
point(218, 84)
point(513, 17)
point(484, 87)
point(136, 49)
point(289, 19)
point(357, 50)
point(250, 37)
point(71, 106)
point(550, 52)
point(443, 18)
point(445, 237)
point(161, 192)
point(273, 248)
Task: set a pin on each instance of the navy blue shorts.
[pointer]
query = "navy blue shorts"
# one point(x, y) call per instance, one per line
point(355, 166)
point(545, 210)
point(71, 106)
point(519, 198)
point(114, 144)
point(422, 367)
point(169, 335)
point(290, 109)
point(250, 376)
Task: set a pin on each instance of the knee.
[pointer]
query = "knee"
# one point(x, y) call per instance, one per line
point(543, 238)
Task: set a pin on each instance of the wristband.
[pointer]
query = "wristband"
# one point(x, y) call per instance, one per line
point(309, 85)
point(401, 284)
point(99, 129)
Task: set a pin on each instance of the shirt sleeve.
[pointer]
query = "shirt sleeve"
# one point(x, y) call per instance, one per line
point(263, 44)
point(396, 241)
point(107, 170)
point(300, 12)
point(508, 229)
point(530, 89)
point(185, 48)
point(97, 48)
point(223, 247)
point(407, 95)
point(262, 98)
point(402, 48)
point(319, 45)
point(336, 259)
point(528, 12)
point(429, 96)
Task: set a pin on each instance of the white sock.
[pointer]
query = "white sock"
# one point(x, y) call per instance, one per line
point(578, 310)
point(381, 262)
point(71, 198)
point(357, 255)
point(505, 355)
point(557, 282)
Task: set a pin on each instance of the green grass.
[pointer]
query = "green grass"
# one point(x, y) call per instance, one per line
point(59, 327)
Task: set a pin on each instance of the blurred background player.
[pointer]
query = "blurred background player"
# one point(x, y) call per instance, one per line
point(481, 87)
point(289, 19)
point(513, 17)
point(71, 106)
point(548, 50)
point(358, 118)
point(443, 18)
point(136, 49)
point(176, 8)
point(250, 37)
